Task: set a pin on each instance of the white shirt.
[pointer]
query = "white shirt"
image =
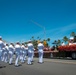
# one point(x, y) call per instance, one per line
point(17, 48)
point(40, 46)
point(1, 44)
point(22, 47)
point(30, 46)
point(11, 48)
point(6, 48)
point(26, 48)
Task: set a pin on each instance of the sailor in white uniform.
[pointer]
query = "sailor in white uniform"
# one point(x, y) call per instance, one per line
point(30, 48)
point(22, 52)
point(21, 55)
point(25, 52)
point(6, 53)
point(32, 55)
point(11, 53)
point(17, 52)
point(40, 50)
point(1, 46)
point(3, 53)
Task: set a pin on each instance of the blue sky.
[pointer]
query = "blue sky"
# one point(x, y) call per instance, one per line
point(19, 19)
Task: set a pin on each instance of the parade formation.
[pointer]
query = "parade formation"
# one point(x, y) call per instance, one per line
point(19, 52)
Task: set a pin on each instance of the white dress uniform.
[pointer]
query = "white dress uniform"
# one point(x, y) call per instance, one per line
point(11, 53)
point(22, 53)
point(1, 51)
point(30, 49)
point(40, 50)
point(5, 53)
point(25, 53)
point(32, 55)
point(17, 52)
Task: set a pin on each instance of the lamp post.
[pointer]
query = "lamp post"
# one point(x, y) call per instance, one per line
point(40, 27)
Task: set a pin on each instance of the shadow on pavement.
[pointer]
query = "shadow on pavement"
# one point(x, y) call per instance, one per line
point(2, 67)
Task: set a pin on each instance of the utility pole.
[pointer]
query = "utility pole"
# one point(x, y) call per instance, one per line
point(41, 26)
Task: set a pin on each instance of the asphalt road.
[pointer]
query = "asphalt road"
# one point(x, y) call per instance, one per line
point(49, 67)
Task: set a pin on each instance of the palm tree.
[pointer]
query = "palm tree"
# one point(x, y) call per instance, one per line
point(59, 42)
point(65, 39)
point(55, 42)
point(48, 40)
point(35, 43)
point(74, 38)
point(72, 34)
point(38, 37)
point(32, 38)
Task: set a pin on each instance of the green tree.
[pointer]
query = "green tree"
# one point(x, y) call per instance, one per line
point(38, 38)
point(48, 40)
point(75, 39)
point(65, 39)
point(32, 38)
point(59, 42)
point(72, 34)
point(55, 42)
point(35, 43)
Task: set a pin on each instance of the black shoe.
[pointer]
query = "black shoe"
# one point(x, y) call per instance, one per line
point(40, 62)
point(10, 63)
point(1, 67)
point(16, 65)
point(30, 64)
point(32, 61)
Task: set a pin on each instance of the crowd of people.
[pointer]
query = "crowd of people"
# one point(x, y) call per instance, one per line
point(19, 52)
